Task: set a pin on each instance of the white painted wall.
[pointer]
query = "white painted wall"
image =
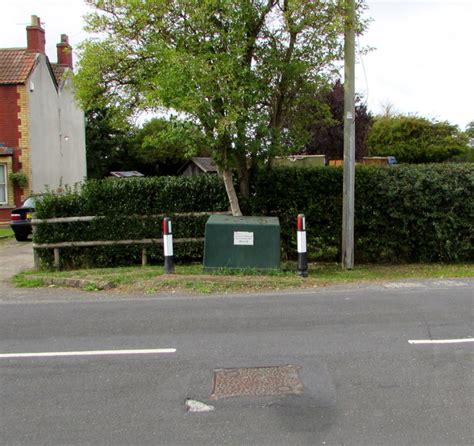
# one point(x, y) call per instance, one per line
point(57, 132)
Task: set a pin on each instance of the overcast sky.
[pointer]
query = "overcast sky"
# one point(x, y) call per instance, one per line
point(423, 61)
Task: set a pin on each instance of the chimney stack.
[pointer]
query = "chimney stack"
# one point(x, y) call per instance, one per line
point(35, 36)
point(64, 51)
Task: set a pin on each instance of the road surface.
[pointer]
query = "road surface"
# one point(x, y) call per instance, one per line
point(364, 381)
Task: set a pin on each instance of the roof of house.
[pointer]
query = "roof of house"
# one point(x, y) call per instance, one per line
point(126, 174)
point(16, 65)
point(204, 163)
point(59, 71)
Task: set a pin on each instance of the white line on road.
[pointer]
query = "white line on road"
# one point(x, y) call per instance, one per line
point(404, 285)
point(441, 341)
point(88, 353)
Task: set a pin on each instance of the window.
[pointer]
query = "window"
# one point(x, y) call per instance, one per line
point(3, 183)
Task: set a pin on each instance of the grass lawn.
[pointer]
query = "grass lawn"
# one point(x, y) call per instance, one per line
point(191, 278)
point(6, 232)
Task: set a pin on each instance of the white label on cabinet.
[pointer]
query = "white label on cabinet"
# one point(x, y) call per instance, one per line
point(243, 238)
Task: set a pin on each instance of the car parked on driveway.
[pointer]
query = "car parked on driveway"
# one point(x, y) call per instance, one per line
point(21, 219)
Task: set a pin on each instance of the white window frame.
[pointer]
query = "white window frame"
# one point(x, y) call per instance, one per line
point(5, 184)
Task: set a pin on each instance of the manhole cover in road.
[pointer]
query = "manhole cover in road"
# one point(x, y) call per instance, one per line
point(257, 381)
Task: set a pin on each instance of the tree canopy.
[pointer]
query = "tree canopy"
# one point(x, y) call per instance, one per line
point(108, 142)
point(164, 145)
point(327, 134)
point(413, 139)
point(245, 71)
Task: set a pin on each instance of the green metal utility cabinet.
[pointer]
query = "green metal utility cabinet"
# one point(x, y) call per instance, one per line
point(242, 242)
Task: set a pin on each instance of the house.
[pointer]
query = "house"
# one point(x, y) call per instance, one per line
point(126, 174)
point(300, 160)
point(198, 165)
point(42, 129)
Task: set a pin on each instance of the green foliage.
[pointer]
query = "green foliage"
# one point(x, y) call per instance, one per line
point(413, 139)
point(244, 71)
point(121, 202)
point(403, 213)
point(166, 144)
point(108, 142)
point(470, 130)
point(19, 179)
point(327, 135)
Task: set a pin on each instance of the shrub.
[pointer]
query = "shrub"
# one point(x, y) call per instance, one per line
point(413, 139)
point(121, 203)
point(403, 213)
point(19, 179)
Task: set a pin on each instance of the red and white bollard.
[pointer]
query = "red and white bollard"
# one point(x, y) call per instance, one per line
point(301, 241)
point(168, 245)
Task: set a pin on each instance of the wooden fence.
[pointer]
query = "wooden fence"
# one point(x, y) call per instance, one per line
point(82, 244)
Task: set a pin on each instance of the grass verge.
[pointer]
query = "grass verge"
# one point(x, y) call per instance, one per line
point(192, 279)
point(5, 233)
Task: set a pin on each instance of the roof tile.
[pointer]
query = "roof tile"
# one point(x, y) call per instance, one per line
point(16, 65)
point(59, 71)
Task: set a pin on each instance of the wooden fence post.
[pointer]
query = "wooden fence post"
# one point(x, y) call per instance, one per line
point(56, 258)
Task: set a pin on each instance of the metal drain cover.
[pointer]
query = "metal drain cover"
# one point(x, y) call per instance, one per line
point(257, 381)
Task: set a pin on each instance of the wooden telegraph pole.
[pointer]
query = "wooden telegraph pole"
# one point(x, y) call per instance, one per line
point(349, 137)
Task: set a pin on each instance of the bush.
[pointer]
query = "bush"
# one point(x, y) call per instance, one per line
point(413, 139)
point(402, 213)
point(19, 179)
point(121, 203)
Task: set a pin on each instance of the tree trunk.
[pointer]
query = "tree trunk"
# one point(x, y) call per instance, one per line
point(244, 175)
point(244, 185)
point(231, 194)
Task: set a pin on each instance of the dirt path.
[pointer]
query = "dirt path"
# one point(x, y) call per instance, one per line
point(14, 257)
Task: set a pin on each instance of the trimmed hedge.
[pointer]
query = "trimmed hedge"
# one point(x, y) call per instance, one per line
point(403, 213)
point(121, 202)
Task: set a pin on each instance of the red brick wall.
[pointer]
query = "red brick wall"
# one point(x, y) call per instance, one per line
point(9, 131)
point(9, 121)
point(5, 215)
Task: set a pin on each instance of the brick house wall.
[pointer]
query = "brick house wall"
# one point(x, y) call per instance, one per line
point(42, 130)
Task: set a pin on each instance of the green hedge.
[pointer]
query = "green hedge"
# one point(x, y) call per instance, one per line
point(403, 213)
point(121, 202)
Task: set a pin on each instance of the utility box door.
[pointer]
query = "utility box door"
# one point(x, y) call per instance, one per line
point(242, 242)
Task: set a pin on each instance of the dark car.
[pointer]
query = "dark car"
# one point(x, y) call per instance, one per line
point(21, 219)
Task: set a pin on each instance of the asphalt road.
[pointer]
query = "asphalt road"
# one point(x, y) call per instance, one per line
point(363, 382)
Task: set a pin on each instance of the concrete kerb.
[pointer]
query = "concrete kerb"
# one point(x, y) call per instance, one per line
point(77, 283)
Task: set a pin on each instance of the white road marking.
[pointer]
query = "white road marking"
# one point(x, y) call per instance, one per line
point(441, 341)
point(404, 285)
point(198, 406)
point(88, 353)
point(439, 283)
point(448, 283)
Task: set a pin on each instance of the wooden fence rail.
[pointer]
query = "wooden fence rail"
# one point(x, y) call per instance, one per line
point(81, 244)
point(36, 221)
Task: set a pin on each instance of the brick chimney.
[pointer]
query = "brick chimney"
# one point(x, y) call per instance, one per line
point(35, 36)
point(64, 51)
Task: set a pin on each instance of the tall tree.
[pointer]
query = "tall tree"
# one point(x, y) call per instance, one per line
point(413, 139)
point(165, 144)
point(470, 130)
point(327, 134)
point(239, 69)
point(108, 142)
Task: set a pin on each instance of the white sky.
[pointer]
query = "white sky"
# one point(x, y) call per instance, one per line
point(423, 62)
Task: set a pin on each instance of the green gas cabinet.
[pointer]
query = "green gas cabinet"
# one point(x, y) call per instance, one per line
point(242, 242)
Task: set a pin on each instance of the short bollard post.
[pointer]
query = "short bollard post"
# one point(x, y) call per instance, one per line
point(301, 240)
point(168, 245)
